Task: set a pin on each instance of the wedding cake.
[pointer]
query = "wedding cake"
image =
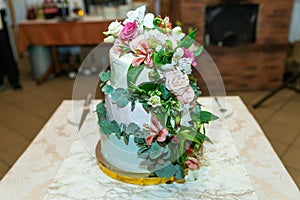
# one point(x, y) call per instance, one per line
point(150, 122)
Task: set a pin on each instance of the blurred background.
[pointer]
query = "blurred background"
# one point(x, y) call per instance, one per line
point(254, 43)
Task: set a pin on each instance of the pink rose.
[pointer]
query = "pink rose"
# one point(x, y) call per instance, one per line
point(176, 82)
point(187, 97)
point(130, 31)
point(188, 54)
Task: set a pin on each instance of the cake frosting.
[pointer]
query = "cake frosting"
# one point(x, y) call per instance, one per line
point(150, 122)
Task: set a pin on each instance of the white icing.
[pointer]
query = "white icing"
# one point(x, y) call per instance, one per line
point(125, 115)
point(119, 67)
point(121, 155)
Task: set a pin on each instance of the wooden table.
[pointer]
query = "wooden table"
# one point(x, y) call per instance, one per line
point(34, 172)
point(54, 32)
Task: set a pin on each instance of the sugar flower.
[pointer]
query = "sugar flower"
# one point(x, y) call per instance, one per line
point(130, 31)
point(114, 29)
point(177, 82)
point(177, 33)
point(139, 16)
point(188, 96)
point(192, 163)
point(189, 54)
point(155, 130)
point(140, 47)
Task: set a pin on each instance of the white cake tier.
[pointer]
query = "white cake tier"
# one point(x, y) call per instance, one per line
point(115, 151)
point(119, 67)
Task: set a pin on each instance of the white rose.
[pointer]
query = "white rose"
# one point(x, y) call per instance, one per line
point(188, 96)
point(184, 64)
point(114, 29)
point(176, 82)
point(109, 39)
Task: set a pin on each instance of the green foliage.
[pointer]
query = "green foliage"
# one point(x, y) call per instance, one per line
point(198, 51)
point(206, 117)
point(120, 96)
point(107, 89)
point(108, 127)
point(166, 171)
point(188, 40)
point(101, 111)
point(104, 76)
point(133, 74)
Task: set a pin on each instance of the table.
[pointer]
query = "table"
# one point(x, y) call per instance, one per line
point(35, 170)
point(54, 32)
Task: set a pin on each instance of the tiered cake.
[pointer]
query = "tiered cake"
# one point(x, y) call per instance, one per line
point(151, 124)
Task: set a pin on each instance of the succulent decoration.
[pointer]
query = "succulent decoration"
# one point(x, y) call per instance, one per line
point(169, 144)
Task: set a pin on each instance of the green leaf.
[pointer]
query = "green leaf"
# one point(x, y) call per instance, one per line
point(189, 134)
point(120, 96)
point(206, 117)
point(108, 127)
point(169, 44)
point(148, 87)
point(198, 51)
point(165, 92)
point(101, 111)
point(180, 174)
point(107, 89)
point(156, 154)
point(133, 74)
point(132, 128)
point(104, 76)
point(188, 40)
point(167, 171)
point(126, 138)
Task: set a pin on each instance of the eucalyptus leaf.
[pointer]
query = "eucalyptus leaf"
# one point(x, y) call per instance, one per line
point(132, 128)
point(167, 171)
point(120, 96)
point(101, 111)
point(180, 174)
point(107, 89)
point(156, 154)
point(105, 76)
point(108, 127)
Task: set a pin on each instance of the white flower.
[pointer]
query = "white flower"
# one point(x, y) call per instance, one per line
point(154, 101)
point(188, 96)
point(109, 39)
point(184, 64)
point(177, 82)
point(139, 16)
point(136, 15)
point(156, 35)
point(178, 54)
point(177, 33)
point(114, 29)
point(148, 20)
point(167, 67)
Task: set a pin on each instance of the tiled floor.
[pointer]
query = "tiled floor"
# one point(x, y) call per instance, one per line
point(23, 113)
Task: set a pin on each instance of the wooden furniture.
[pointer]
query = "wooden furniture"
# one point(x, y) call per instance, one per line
point(34, 172)
point(253, 66)
point(86, 31)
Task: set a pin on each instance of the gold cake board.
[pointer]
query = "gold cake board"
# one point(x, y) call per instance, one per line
point(129, 177)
